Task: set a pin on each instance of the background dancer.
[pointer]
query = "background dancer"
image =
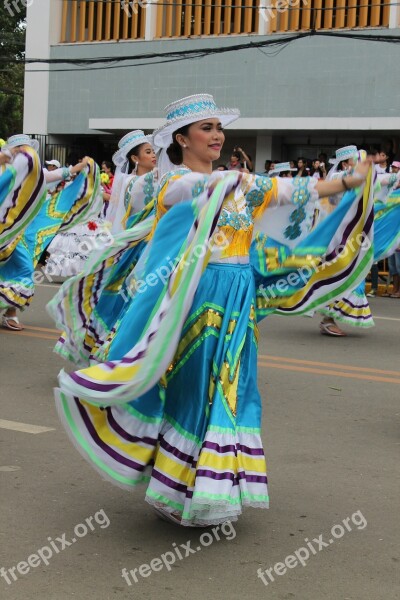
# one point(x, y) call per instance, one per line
point(76, 202)
point(353, 308)
point(105, 281)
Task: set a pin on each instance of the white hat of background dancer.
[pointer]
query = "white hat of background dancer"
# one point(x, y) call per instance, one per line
point(127, 143)
point(281, 168)
point(55, 163)
point(343, 154)
point(190, 110)
point(22, 140)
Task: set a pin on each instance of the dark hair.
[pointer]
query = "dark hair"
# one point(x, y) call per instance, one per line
point(222, 167)
point(134, 152)
point(304, 172)
point(174, 150)
point(236, 154)
point(108, 164)
point(377, 150)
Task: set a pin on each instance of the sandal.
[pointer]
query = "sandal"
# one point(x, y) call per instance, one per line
point(331, 329)
point(173, 517)
point(167, 516)
point(396, 295)
point(11, 323)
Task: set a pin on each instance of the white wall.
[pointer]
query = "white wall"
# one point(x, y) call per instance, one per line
point(43, 30)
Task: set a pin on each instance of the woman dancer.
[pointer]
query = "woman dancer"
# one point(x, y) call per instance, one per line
point(135, 157)
point(22, 190)
point(187, 347)
point(104, 283)
point(353, 308)
point(80, 200)
point(70, 250)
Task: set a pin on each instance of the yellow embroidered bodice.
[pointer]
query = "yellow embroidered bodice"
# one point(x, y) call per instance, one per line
point(236, 220)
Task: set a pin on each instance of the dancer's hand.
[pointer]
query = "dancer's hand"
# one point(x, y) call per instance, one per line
point(7, 155)
point(4, 158)
point(361, 170)
point(80, 166)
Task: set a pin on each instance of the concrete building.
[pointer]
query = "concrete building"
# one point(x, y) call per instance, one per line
point(310, 95)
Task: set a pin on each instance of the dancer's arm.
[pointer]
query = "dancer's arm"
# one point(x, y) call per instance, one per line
point(263, 192)
point(336, 186)
point(7, 155)
point(65, 172)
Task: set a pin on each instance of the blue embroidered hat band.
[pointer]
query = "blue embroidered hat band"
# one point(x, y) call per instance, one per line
point(344, 154)
point(127, 143)
point(190, 110)
point(21, 139)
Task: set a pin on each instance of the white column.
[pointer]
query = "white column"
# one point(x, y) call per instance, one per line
point(151, 20)
point(394, 16)
point(263, 151)
point(43, 30)
point(265, 13)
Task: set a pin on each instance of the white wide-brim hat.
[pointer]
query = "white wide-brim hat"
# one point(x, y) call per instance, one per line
point(343, 154)
point(21, 139)
point(127, 143)
point(188, 110)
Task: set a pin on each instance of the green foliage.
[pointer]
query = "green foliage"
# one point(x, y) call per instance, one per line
point(12, 45)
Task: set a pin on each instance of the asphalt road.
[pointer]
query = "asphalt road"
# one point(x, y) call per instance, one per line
point(331, 436)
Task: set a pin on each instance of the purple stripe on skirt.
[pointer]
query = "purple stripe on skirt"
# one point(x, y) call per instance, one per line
point(124, 434)
point(190, 460)
point(92, 385)
point(353, 317)
point(233, 448)
point(231, 476)
point(105, 447)
point(168, 482)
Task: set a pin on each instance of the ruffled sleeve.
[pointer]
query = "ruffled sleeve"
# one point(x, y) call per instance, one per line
point(283, 208)
point(180, 186)
point(263, 192)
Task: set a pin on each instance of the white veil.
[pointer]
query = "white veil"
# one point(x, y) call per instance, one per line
point(164, 164)
point(116, 211)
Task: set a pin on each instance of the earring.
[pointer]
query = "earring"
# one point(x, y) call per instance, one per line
point(135, 168)
point(184, 146)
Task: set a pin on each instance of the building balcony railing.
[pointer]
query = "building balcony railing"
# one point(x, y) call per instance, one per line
point(102, 20)
point(115, 20)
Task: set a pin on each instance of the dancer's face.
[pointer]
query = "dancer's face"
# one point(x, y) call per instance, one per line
point(146, 157)
point(203, 141)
